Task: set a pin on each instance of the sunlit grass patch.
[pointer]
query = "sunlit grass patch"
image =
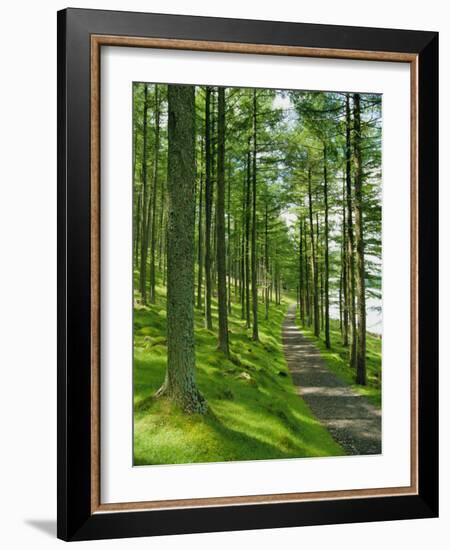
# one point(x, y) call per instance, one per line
point(253, 409)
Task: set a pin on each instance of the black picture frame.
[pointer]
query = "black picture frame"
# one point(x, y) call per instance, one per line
point(75, 518)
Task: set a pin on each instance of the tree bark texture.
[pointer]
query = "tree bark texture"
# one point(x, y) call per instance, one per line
point(359, 245)
point(180, 384)
point(220, 228)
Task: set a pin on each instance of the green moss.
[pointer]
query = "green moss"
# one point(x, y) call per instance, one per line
point(337, 360)
point(253, 410)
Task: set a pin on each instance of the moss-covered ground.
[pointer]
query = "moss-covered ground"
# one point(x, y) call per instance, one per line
point(253, 409)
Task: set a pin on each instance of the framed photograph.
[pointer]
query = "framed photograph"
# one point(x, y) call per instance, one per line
point(247, 254)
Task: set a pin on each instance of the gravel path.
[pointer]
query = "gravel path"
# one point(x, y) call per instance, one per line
point(352, 421)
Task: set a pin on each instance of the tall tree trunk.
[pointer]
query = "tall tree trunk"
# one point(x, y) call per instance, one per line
point(208, 210)
point(144, 227)
point(247, 240)
point(255, 335)
point(136, 191)
point(161, 231)
point(359, 245)
point(266, 261)
point(220, 228)
point(319, 265)
point(235, 261)
point(164, 267)
point(322, 298)
point(326, 252)
point(213, 184)
point(271, 281)
point(137, 227)
point(350, 236)
point(214, 242)
point(237, 265)
point(301, 293)
point(307, 275)
point(243, 223)
point(180, 384)
point(313, 261)
point(340, 299)
point(200, 237)
point(344, 265)
point(280, 286)
point(154, 196)
point(229, 261)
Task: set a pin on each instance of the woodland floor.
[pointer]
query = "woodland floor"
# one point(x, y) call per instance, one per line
point(351, 419)
point(254, 411)
point(285, 396)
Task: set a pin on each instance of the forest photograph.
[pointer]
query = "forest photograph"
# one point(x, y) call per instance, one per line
point(257, 273)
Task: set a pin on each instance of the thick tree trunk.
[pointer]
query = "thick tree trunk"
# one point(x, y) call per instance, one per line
point(359, 245)
point(350, 237)
point(180, 384)
point(144, 228)
point(208, 210)
point(326, 252)
point(220, 228)
point(255, 335)
point(154, 196)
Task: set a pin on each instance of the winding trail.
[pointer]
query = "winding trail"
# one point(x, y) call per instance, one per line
point(351, 420)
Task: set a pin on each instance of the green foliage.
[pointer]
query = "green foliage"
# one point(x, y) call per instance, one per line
point(284, 167)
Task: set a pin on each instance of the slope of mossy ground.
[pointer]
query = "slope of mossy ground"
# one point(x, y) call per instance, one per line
point(253, 410)
point(337, 360)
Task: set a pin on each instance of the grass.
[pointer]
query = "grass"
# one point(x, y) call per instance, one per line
point(337, 360)
point(253, 410)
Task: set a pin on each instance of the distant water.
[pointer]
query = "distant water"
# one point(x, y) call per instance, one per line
point(374, 315)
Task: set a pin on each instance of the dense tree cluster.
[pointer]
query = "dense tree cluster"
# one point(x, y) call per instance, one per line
point(245, 195)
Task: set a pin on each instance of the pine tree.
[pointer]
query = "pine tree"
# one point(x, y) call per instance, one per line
point(180, 384)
